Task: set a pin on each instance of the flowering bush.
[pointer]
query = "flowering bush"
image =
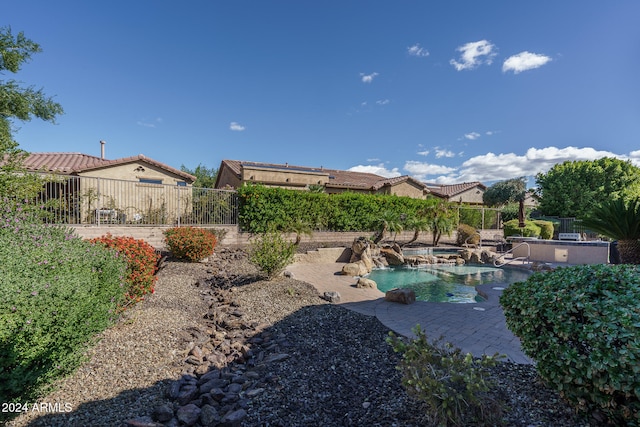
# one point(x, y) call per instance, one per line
point(142, 262)
point(57, 292)
point(190, 243)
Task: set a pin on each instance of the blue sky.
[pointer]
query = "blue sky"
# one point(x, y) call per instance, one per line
point(445, 91)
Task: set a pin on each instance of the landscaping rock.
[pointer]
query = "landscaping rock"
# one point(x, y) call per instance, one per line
point(366, 283)
point(404, 296)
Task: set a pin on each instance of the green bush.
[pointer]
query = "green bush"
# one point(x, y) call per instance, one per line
point(190, 243)
point(56, 293)
point(467, 235)
point(530, 230)
point(263, 208)
point(142, 262)
point(546, 228)
point(581, 325)
point(271, 253)
point(452, 385)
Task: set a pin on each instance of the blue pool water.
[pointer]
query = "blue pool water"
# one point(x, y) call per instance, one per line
point(445, 283)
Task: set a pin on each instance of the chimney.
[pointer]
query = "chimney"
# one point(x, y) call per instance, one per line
point(102, 149)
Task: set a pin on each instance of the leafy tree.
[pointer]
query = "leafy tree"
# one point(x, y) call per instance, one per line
point(572, 188)
point(205, 177)
point(18, 103)
point(620, 221)
point(505, 192)
point(417, 223)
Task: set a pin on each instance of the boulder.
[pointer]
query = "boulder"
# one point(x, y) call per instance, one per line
point(402, 295)
point(366, 283)
point(393, 257)
point(355, 269)
point(332, 296)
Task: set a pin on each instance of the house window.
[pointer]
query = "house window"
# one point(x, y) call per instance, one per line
point(149, 181)
point(181, 183)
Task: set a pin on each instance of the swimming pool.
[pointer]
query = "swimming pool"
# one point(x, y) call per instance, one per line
point(445, 283)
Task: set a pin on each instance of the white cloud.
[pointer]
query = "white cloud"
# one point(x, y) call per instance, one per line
point(417, 50)
point(368, 78)
point(235, 126)
point(423, 153)
point(634, 156)
point(421, 171)
point(472, 136)
point(382, 102)
point(474, 54)
point(380, 169)
point(148, 124)
point(524, 61)
point(497, 167)
point(441, 152)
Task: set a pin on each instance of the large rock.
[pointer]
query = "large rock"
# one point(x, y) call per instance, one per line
point(358, 268)
point(366, 283)
point(403, 295)
point(392, 255)
point(361, 262)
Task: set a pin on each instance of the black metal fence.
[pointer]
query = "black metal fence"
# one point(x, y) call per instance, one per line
point(87, 200)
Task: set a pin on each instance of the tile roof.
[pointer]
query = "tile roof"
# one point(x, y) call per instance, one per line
point(453, 189)
point(337, 178)
point(73, 163)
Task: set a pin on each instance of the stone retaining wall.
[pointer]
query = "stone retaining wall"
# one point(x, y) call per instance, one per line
point(154, 235)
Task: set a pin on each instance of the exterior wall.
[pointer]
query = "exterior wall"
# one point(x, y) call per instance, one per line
point(563, 252)
point(471, 196)
point(408, 190)
point(282, 178)
point(128, 172)
point(228, 179)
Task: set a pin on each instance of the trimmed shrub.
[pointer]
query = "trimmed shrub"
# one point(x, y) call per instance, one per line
point(530, 230)
point(454, 386)
point(538, 228)
point(190, 243)
point(546, 228)
point(467, 232)
point(142, 262)
point(271, 253)
point(581, 325)
point(57, 292)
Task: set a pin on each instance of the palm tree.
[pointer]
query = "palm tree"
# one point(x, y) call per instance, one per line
point(388, 222)
point(417, 224)
point(443, 219)
point(618, 220)
point(299, 227)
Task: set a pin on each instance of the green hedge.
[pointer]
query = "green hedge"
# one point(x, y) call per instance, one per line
point(266, 208)
point(581, 325)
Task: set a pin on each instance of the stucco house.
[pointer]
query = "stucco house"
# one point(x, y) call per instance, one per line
point(467, 192)
point(131, 189)
point(235, 173)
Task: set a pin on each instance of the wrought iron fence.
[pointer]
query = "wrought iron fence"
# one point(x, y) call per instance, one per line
point(87, 200)
point(480, 217)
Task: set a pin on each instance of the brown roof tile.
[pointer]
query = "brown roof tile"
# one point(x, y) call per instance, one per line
point(337, 178)
point(72, 163)
point(453, 189)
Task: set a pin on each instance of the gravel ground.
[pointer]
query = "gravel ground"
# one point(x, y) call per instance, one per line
point(338, 371)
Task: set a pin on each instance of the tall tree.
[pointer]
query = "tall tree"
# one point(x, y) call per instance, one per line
point(505, 192)
point(205, 177)
point(18, 103)
point(508, 191)
point(572, 188)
